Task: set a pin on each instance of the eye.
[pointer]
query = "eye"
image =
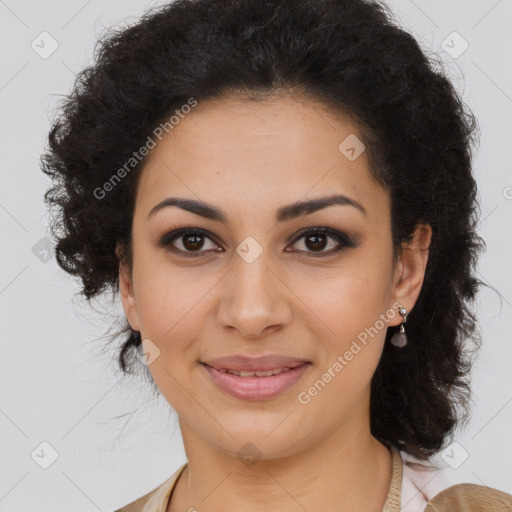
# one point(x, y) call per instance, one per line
point(193, 240)
point(315, 241)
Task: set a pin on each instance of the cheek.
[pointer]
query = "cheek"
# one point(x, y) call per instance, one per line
point(169, 299)
point(349, 298)
point(351, 310)
point(171, 310)
point(355, 311)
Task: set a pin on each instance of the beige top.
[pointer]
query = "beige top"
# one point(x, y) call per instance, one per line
point(405, 487)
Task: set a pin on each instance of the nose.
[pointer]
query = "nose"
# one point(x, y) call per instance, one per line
point(254, 300)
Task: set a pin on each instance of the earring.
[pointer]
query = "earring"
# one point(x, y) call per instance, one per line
point(399, 339)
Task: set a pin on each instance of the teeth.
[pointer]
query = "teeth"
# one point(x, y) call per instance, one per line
point(257, 374)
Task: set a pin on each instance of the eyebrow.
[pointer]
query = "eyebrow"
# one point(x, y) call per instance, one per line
point(284, 213)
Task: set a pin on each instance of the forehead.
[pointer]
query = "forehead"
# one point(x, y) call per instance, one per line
point(252, 154)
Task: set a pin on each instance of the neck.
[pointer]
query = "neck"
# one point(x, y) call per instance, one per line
point(348, 470)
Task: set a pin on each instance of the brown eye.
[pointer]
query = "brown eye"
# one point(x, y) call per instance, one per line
point(192, 242)
point(187, 240)
point(316, 240)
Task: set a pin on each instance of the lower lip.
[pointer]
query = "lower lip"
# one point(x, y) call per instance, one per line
point(256, 388)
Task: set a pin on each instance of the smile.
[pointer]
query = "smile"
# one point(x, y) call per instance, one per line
point(256, 385)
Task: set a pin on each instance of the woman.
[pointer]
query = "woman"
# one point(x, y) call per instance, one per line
point(281, 193)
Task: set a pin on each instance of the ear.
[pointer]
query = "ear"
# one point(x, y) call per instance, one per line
point(127, 294)
point(410, 271)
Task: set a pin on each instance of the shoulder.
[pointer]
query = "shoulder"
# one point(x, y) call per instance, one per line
point(426, 488)
point(470, 498)
point(137, 505)
point(155, 500)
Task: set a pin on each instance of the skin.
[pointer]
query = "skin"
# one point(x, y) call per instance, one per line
point(250, 158)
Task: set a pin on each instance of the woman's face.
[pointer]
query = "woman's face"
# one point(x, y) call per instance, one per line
point(257, 282)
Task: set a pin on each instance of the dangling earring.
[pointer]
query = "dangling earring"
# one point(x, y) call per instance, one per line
point(399, 339)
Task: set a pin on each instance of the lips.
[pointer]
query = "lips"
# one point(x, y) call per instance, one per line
point(243, 363)
point(261, 373)
point(254, 386)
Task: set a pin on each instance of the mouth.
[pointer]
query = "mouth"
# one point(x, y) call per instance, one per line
point(261, 373)
point(250, 363)
point(256, 384)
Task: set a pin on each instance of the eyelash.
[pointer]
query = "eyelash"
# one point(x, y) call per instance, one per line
point(344, 241)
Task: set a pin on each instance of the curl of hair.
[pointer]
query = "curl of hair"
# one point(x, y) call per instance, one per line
point(349, 55)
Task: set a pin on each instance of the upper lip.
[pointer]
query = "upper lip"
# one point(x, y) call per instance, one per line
point(263, 363)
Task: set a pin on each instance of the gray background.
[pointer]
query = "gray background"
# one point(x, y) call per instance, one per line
point(60, 386)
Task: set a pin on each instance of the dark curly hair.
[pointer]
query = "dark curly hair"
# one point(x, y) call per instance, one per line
point(351, 56)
